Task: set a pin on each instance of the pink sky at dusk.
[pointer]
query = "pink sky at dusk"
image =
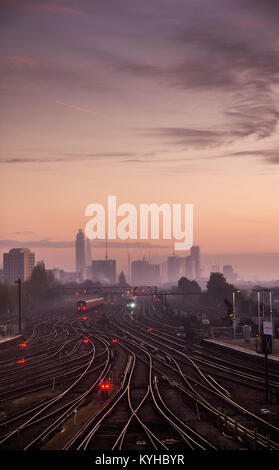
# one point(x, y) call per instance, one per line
point(150, 101)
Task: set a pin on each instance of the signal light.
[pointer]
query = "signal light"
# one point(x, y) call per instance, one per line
point(86, 341)
point(115, 340)
point(20, 361)
point(84, 291)
point(23, 345)
point(105, 386)
point(77, 293)
point(83, 308)
point(78, 308)
point(149, 329)
point(84, 318)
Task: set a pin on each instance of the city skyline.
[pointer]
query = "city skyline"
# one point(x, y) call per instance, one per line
point(265, 265)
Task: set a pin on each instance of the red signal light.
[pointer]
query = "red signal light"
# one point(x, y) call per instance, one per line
point(84, 308)
point(105, 386)
point(114, 340)
point(86, 341)
point(23, 345)
point(77, 293)
point(149, 329)
point(20, 361)
point(84, 318)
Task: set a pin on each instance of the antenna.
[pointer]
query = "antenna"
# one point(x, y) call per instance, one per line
point(129, 264)
point(106, 257)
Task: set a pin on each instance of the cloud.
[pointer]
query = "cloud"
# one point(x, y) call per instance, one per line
point(33, 244)
point(30, 70)
point(53, 8)
point(69, 157)
point(80, 108)
point(269, 156)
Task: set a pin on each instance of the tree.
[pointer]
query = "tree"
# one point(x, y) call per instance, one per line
point(219, 291)
point(187, 286)
point(122, 280)
point(7, 299)
point(41, 283)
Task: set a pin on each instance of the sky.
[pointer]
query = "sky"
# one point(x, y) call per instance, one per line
point(153, 101)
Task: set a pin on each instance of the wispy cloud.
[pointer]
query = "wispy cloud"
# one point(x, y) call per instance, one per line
point(11, 243)
point(53, 8)
point(80, 108)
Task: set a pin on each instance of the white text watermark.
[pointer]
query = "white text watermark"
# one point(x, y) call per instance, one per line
point(129, 227)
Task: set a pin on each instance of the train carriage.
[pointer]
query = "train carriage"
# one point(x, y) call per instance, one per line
point(85, 306)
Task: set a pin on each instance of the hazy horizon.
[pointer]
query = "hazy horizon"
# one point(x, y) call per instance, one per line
point(249, 266)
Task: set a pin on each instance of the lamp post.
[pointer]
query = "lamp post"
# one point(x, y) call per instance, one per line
point(234, 311)
point(259, 311)
point(19, 303)
point(270, 309)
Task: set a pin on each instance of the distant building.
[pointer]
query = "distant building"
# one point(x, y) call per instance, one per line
point(195, 254)
point(215, 268)
point(80, 252)
point(88, 253)
point(229, 273)
point(104, 270)
point(173, 268)
point(189, 267)
point(144, 273)
point(83, 256)
point(164, 272)
point(57, 273)
point(18, 263)
point(67, 277)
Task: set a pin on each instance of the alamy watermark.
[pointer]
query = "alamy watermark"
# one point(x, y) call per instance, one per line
point(127, 228)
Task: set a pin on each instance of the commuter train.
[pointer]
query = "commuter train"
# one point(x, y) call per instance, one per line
point(87, 305)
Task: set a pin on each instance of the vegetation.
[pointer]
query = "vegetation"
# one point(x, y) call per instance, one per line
point(40, 289)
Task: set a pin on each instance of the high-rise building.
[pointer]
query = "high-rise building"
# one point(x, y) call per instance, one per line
point(104, 270)
point(80, 252)
point(189, 267)
point(18, 263)
point(195, 254)
point(173, 268)
point(88, 253)
point(144, 273)
point(229, 273)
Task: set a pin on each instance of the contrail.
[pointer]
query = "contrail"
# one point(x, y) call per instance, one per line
point(79, 108)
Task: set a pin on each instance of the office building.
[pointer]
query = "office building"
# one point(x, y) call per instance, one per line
point(18, 263)
point(189, 267)
point(83, 256)
point(80, 252)
point(195, 254)
point(173, 269)
point(104, 270)
point(229, 273)
point(144, 273)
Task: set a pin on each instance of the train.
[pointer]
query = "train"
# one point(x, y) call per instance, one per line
point(87, 305)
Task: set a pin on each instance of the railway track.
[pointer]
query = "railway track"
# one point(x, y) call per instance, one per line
point(141, 412)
